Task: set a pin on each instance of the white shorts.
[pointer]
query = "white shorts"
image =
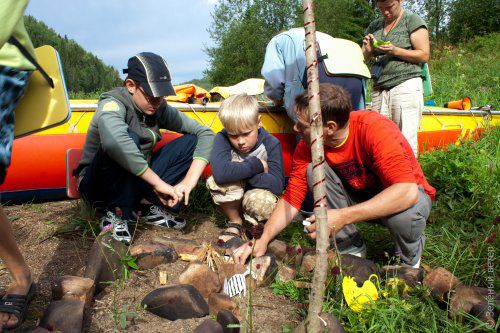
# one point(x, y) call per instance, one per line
point(403, 104)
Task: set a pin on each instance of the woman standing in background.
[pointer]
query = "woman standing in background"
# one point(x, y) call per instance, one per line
point(399, 42)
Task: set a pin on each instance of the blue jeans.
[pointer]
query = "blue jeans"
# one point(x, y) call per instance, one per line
point(13, 84)
point(105, 182)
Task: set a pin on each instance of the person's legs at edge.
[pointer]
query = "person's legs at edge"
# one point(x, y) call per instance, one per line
point(13, 260)
point(407, 229)
point(12, 86)
point(347, 239)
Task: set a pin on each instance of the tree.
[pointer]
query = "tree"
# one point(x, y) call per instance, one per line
point(469, 19)
point(346, 19)
point(241, 30)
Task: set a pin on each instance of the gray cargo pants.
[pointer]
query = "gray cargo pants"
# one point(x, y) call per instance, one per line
point(406, 227)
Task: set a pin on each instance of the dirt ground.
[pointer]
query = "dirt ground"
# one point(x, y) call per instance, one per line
point(51, 254)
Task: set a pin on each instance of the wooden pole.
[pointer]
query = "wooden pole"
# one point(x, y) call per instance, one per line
point(319, 190)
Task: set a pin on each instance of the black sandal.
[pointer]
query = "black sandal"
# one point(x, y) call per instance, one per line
point(236, 240)
point(17, 305)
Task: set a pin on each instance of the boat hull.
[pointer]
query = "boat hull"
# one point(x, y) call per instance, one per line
point(37, 171)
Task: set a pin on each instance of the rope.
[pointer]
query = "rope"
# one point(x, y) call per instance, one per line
point(72, 127)
point(202, 121)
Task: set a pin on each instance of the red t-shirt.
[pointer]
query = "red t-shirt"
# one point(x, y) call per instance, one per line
point(375, 156)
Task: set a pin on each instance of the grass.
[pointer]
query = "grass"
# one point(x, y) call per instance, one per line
point(461, 236)
point(471, 69)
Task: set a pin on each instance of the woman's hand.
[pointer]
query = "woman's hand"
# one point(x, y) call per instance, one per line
point(388, 49)
point(368, 48)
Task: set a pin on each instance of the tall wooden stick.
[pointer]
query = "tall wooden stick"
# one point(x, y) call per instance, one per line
point(318, 159)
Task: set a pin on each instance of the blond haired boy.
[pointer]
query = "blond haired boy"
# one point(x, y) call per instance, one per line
point(247, 167)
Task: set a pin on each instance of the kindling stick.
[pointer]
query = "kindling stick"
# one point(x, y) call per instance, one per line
point(319, 190)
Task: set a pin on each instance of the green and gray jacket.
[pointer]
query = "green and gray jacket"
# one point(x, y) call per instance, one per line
point(116, 114)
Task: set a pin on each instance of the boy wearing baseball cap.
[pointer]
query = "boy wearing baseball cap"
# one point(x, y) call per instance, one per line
point(119, 168)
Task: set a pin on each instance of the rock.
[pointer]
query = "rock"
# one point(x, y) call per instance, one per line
point(218, 301)
point(226, 318)
point(295, 255)
point(176, 302)
point(64, 316)
point(332, 325)
point(440, 282)
point(232, 244)
point(411, 276)
point(486, 312)
point(73, 287)
point(209, 326)
point(358, 268)
point(179, 245)
point(227, 270)
point(479, 302)
point(36, 330)
point(286, 273)
point(152, 255)
point(104, 263)
point(278, 249)
point(265, 269)
point(309, 261)
point(201, 277)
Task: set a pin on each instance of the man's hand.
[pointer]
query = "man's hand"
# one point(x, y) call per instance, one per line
point(266, 166)
point(241, 254)
point(336, 221)
point(166, 193)
point(183, 190)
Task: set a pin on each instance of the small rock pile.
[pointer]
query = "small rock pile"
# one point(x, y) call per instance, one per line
point(199, 294)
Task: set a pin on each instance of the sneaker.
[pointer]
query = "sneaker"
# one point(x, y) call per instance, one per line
point(354, 245)
point(119, 227)
point(160, 217)
point(358, 250)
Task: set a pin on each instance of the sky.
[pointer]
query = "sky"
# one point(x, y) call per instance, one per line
point(115, 30)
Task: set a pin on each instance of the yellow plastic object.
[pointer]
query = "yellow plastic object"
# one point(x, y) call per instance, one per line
point(249, 86)
point(42, 106)
point(355, 296)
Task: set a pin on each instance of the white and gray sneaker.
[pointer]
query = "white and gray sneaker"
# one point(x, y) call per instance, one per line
point(162, 218)
point(118, 226)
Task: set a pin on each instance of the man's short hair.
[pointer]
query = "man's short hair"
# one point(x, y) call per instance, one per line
point(335, 103)
point(239, 113)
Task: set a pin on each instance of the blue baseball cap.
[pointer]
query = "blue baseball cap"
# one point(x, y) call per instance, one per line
point(151, 71)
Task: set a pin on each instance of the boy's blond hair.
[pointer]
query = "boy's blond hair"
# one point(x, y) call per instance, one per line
point(239, 113)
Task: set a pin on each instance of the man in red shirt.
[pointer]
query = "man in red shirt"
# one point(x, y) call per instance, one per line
point(371, 174)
